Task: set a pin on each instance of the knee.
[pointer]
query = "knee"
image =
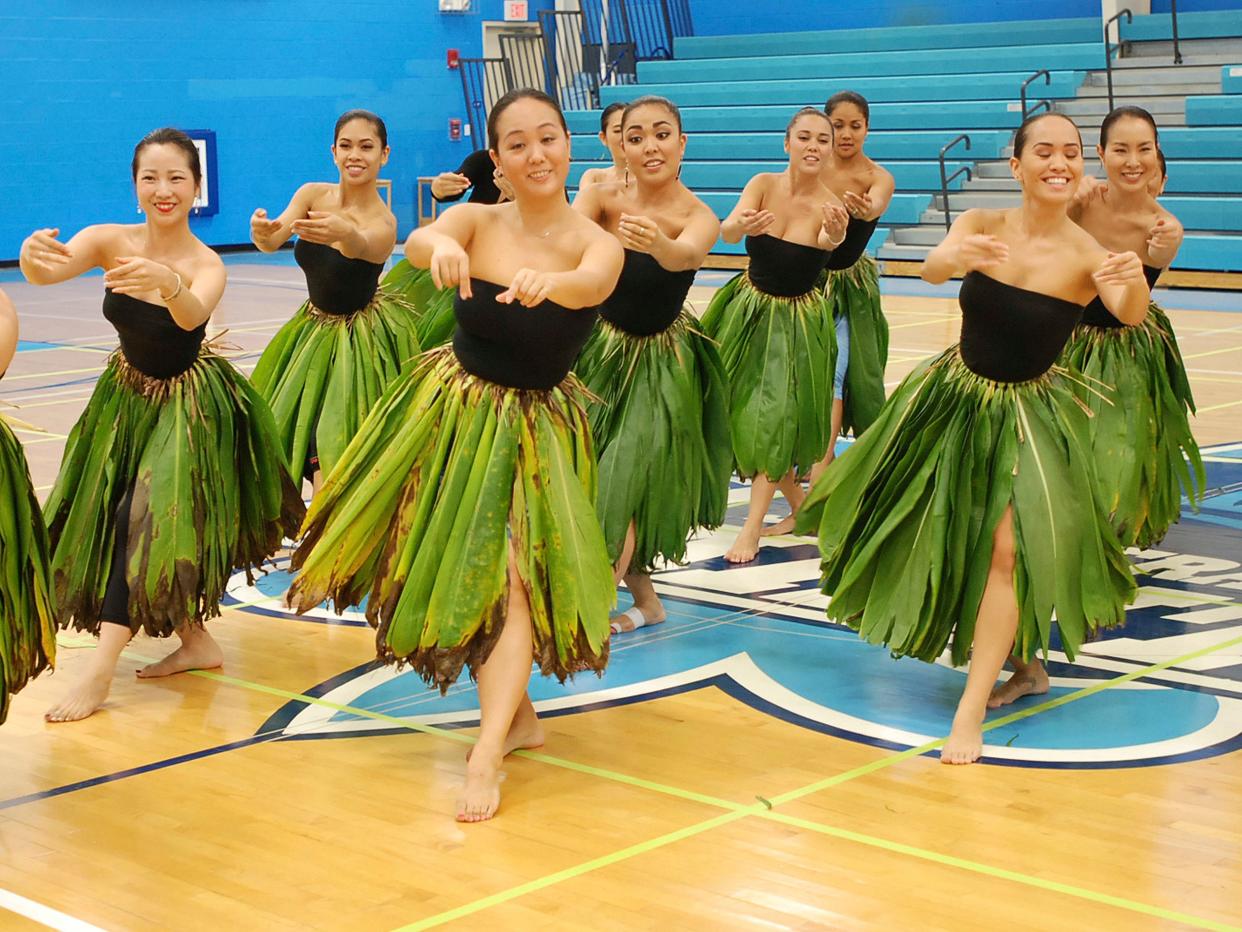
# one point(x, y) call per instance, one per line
point(1004, 551)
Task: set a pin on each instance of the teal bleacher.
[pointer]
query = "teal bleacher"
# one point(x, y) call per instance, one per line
point(927, 84)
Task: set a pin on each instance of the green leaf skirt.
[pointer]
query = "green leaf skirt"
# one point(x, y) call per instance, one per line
point(855, 293)
point(906, 516)
point(1145, 453)
point(322, 373)
point(448, 476)
point(27, 622)
point(435, 319)
point(210, 494)
point(779, 355)
point(660, 421)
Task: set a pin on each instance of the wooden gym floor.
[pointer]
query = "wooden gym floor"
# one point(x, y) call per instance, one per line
point(745, 765)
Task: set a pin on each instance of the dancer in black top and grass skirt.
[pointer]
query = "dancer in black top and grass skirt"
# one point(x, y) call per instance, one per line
point(968, 512)
point(325, 369)
point(661, 421)
point(774, 325)
point(1134, 381)
point(172, 477)
point(852, 280)
point(1146, 454)
point(27, 623)
point(464, 509)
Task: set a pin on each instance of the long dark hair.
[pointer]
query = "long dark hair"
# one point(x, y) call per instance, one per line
point(1024, 131)
point(376, 123)
point(507, 101)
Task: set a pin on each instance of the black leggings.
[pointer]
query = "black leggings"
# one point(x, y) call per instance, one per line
point(116, 597)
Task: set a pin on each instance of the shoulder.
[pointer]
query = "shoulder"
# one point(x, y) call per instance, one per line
point(313, 191)
point(981, 220)
point(207, 259)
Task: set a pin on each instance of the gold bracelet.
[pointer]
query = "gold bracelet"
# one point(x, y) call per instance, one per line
point(176, 291)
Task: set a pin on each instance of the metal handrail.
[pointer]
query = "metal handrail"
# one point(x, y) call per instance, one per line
point(1177, 49)
point(1108, 48)
point(1047, 80)
point(944, 181)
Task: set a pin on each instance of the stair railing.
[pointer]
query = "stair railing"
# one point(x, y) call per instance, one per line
point(1047, 104)
point(1177, 49)
point(944, 180)
point(1109, 48)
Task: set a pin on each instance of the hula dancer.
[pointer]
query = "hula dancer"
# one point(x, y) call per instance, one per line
point(1146, 455)
point(172, 475)
point(618, 173)
point(464, 509)
point(27, 625)
point(968, 511)
point(774, 324)
point(1136, 388)
point(479, 175)
point(325, 369)
point(661, 425)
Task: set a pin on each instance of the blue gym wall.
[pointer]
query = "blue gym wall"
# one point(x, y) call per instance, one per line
point(728, 17)
point(83, 81)
point(1197, 6)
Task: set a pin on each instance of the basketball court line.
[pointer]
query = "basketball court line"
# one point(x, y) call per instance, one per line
point(764, 808)
point(44, 915)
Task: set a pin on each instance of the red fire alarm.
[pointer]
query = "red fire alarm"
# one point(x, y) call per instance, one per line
point(454, 59)
point(454, 129)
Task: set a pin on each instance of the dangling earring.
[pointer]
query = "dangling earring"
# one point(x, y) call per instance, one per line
point(627, 176)
point(140, 207)
point(196, 210)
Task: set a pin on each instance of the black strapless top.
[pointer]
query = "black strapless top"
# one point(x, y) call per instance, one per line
point(857, 236)
point(1010, 334)
point(779, 267)
point(648, 297)
point(151, 341)
point(1097, 315)
point(521, 347)
point(337, 285)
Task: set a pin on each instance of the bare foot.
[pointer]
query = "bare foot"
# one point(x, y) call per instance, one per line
point(199, 652)
point(1031, 680)
point(647, 616)
point(964, 744)
point(525, 731)
point(87, 695)
point(745, 548)
point(783, 526)
point(481, 797)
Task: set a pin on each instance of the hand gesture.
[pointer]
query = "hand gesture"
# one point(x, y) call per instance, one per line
point(754, 222)
point(980, 251)
point(449, 184)
point(528, 288)
point(451, 266)
point(1120, 268)
point(44, 251)
point(637, 232)
point(858, 205)
point(503, 183)
point(135, 275)
point(320, 226)
point(261, 227)
point(1166, 233)
point(835, 221)
point(1090, 190)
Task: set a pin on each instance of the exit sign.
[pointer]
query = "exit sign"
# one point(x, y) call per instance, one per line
point(516, 10)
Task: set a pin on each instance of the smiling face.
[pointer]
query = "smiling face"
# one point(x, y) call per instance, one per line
point(164, 183)
point(809, 142)
point(1050, 165)
point(654, 144)
point(849, 127)
point(358, 152)
point(533, 148)
point(1129, 156)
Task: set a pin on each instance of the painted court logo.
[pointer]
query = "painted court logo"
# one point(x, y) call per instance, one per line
point(759, 634)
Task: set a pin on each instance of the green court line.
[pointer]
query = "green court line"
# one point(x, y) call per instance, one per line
point(738, 811)
point(763, 811)
point(989, 870)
